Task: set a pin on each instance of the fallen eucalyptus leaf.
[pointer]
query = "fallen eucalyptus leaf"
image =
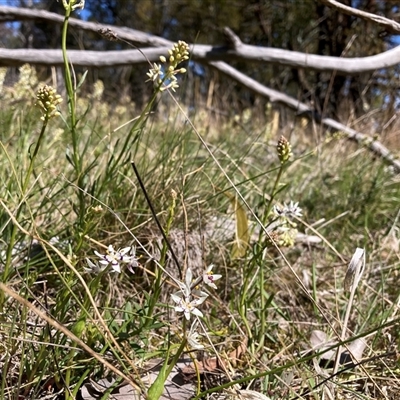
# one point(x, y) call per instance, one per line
point(319, 342)
point(252, 395)
point(176, 388)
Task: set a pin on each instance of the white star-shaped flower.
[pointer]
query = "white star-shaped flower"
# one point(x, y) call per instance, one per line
point(184, 300)
point(115, 257)
point(95, 268)
point(209, 278)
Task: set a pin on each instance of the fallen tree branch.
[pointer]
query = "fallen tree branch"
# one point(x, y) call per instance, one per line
point(239, 50)
point(40, 56)
point(386, 23)
point(202, 53)
point(79, 58)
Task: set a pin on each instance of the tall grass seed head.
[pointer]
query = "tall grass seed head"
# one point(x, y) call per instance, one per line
point(98, 90)
point(3, 72)
point(284, 150)
point(26, 84)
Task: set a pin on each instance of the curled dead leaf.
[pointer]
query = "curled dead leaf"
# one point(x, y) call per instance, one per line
point(349, 356)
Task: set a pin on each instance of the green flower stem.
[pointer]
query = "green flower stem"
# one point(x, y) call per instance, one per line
point(273, 192)
point(157, 388)
point(24, 189)
point(261, 333)
point(77, 161)
point(243, 309)
point(178, 353)
point(137, 126)
point(158, 272)
point(78, 330)
point(69, 87)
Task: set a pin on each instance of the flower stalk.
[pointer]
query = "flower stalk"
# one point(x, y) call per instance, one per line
point(47, 100)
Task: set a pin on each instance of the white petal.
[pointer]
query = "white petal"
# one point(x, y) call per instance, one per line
point(197, 312)
point(177, 297)
point(211, 284)
point(199, 293)
point(194, 343)
point(116, 268)
point(209, 268)
point(92, 266)
point(188, 278)
point(90, 263)
point(124, 250)
point(199, 301)
point(185, 290)
point(193, 336)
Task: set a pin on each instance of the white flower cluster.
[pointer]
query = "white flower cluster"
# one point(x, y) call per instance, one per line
point(189, 297)
point(164, 75)
point(115, 258)
point(282, 227)
point(288, 210)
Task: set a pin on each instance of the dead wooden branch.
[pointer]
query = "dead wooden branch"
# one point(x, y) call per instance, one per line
point(96, 59)
point(207, 55)
point(386, 23)
point(204, 53)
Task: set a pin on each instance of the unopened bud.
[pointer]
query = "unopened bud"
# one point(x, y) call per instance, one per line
point(284, 150)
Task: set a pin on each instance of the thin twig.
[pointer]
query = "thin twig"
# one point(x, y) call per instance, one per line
point(153, 212)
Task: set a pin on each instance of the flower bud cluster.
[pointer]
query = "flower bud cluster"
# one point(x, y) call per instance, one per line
point(282, 227)
point(284, 150)
point(73, 4)
point(164, 75)
point(48, 100)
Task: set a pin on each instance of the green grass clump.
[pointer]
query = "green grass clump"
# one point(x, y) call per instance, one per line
point(133, 238)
